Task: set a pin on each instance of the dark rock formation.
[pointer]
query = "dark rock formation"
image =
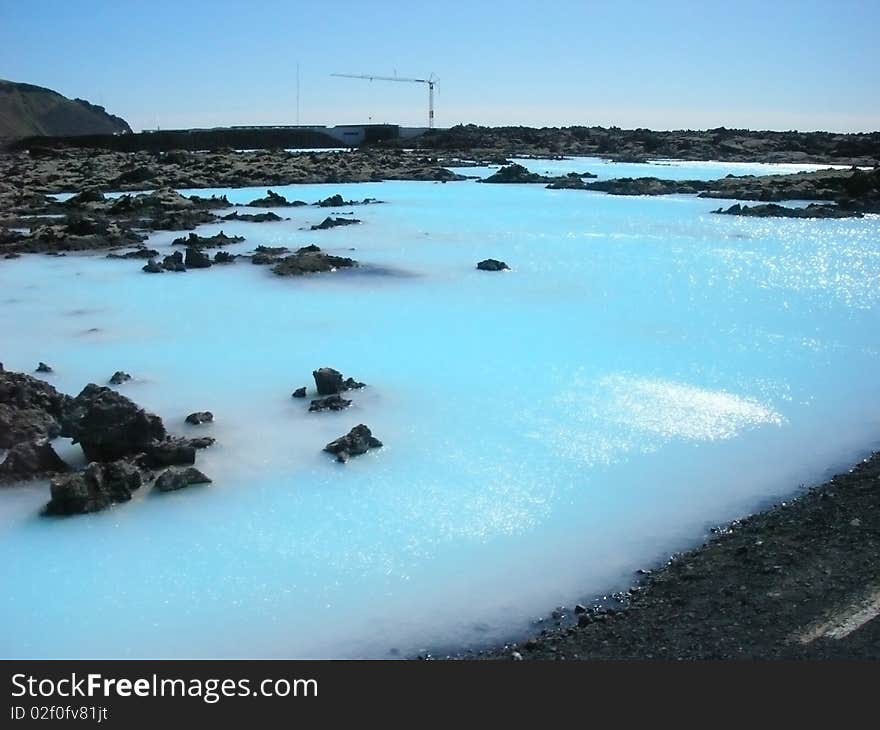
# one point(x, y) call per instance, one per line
point(330, 382)
point(196, 259)
point(337, 201)
point(648, 186)
point(200, 417)
point(109, 426)
point(572, 181)
point(492, 265)
point(310, 262)
point(357, 441)
point(119, 377)
point(299, 392)
point(329, 222)
point(224, 257)
point(153, 267)
point(268, 217)
point(174, 262)
point(96, 487)
point(212, 203)
point(195, 241)
point(29, 459)
point(772, 210)
point(330, 403)
point(515, 174)
point(202, 442)
point(29, 409)
point(138, 253)
point(43, 368)
point(173, 479)
point(169, 452)
point(274, 200)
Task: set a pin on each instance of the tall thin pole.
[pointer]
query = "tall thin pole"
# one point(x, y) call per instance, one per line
point(430, 105)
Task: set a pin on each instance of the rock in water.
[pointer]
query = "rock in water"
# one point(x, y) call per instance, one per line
point(196, 259)
point(43, 368)
point(174, 262)
point(119, 377)
point(330, 382)
point(152, 267)
point(515, 174)
point(357, 441)
point(330, 403)
point(30, 409)
point(223, 257)
point(31, 459)
point(200, 417)
point(300, 392)
point(96, 487)
point(492, 265)
point(170, 452)
point(109, 426)
point(173, 479)
point(330, 222)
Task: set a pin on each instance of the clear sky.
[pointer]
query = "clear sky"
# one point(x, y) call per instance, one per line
point(769, 64)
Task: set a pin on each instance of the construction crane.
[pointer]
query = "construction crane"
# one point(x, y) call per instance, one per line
point(430, 81)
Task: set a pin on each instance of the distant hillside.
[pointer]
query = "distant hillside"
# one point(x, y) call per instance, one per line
point(27, 110)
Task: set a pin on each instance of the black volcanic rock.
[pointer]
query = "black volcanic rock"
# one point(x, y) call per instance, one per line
point(153, 267)
point(267, 217)
point(299, 393)
point(109, 426)
point(94, 488)
point(515, 174)
point(119, 377)
point(330, 403)
point(29, 409)
point(330, 382)
point(174, 479)
point(337, 201)
point(329, 222)
point(772, 210)
point(311, 262)
point(274, 200)
point(356, 442)
point(173, 262)
point(29, 459)
point(200, 417)
point(224, 257)
point(196, 259)
point(196, 241)
point(492, 265)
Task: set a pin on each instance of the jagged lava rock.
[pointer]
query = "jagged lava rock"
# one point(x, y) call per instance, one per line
point(93, 489)
point(330, 403)
point(173, 479)
point(356, 442)
point(109, 426)
point(119, 377)
point(30, 408)
point(30, 459)
point(492, 265)
point(199, 417)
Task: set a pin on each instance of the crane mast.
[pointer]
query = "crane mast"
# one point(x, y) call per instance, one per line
point(430, 81)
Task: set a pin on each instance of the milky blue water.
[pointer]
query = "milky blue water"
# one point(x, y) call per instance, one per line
point(646, 370)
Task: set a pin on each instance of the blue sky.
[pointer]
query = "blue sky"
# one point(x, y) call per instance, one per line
point(774, 64)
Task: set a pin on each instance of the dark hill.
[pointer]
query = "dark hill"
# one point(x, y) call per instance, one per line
point(27, 110)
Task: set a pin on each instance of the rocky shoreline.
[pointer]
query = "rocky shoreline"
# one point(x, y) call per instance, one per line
point(800, 580)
